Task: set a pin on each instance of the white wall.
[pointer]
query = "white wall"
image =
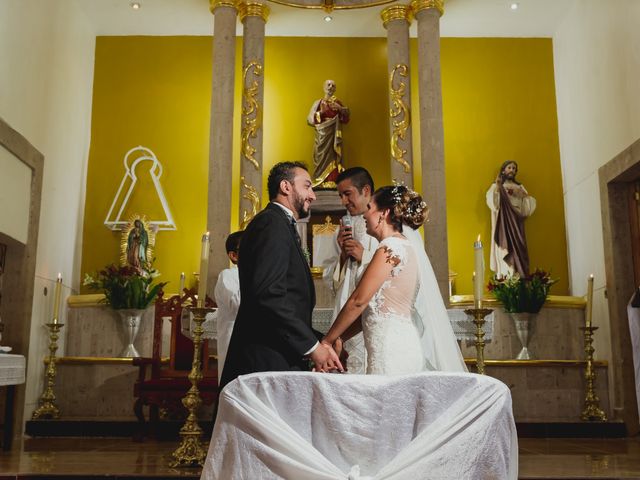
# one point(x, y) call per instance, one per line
point(597, 69)
point(46, 79)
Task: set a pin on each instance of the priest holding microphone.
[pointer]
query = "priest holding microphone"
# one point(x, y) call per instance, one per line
point(356, 248)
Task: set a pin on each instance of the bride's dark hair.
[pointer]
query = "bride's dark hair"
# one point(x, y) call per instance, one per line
point(405, 206)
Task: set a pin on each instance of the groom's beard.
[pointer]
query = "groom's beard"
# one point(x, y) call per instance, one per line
point(298, 205)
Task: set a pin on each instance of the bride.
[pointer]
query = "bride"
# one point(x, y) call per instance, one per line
point(397, 303)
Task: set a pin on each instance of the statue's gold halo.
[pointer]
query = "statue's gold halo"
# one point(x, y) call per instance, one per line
point(126, 232)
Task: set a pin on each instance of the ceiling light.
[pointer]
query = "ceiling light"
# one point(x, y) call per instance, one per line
point(135, 5)
point(514, 6)
point(328, 18)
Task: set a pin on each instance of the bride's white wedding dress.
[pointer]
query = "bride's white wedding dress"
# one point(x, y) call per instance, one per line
point(405, 326)
point(390, 336)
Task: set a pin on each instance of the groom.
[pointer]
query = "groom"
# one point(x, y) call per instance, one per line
point(273, 331)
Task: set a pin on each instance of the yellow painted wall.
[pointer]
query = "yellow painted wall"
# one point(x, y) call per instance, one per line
point(155, 92)
point(498, 103)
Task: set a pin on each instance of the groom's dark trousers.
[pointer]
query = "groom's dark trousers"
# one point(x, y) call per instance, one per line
point(272, 330)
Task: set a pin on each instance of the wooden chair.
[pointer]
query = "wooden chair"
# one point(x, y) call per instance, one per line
point(163, 382)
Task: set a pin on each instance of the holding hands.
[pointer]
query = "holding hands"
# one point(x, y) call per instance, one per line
point(326, 359)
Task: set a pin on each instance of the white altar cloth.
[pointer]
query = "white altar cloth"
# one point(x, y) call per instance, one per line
point(310, 426)
point(12, 369)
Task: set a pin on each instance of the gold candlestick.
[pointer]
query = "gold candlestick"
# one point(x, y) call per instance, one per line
point(478, 318)
point(48, 408)
point(191, 453)
point(592, 411)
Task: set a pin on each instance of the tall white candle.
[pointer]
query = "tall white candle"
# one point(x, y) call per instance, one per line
point(56, 298)
point(182, 278)
point(204, 269)
point(589, 308)
point(478, 279)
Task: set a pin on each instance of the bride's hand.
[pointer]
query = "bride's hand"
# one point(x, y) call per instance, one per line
point(325, 358)
point(343, 355)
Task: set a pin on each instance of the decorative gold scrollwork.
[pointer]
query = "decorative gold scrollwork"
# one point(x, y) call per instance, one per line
point(254, 199)
point(401, 115)
point(251, 112)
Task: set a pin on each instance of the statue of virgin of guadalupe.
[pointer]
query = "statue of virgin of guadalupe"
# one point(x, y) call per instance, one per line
point(137, 243)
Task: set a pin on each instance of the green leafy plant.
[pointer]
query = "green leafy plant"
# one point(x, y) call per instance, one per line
point(126, 287)
point(519, 294)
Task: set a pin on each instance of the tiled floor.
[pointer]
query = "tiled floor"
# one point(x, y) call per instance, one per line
point(121, 458)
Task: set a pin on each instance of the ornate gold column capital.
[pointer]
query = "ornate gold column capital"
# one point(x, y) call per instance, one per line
point(418, 5)
point(253, 9)
point(213, 4)
point(396, 12)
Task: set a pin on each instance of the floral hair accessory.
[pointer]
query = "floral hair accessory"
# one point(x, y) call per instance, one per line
point(397, 198)
point(395, 191)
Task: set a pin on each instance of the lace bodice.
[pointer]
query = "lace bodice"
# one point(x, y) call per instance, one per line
point(391, 339)
point(397, 294)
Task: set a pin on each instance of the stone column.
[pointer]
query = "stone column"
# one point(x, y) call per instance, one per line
point(428, 13)
point(221, 135)
point(253, 16)
point(397, 19)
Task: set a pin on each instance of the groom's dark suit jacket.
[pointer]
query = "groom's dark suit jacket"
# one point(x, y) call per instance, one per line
point(272, 330)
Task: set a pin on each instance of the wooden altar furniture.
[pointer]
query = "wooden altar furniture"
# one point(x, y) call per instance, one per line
point(163, 378)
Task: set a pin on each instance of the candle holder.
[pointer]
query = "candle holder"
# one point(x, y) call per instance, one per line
point(48, 407)
point(592, 411)
point(478, 318)
point(191, 453)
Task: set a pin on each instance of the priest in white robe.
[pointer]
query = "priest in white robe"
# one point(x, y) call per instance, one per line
point(355, 249)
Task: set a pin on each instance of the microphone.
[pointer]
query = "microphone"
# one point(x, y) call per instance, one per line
point(346, 223)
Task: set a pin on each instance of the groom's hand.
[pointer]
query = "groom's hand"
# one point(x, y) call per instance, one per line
point(325, 359)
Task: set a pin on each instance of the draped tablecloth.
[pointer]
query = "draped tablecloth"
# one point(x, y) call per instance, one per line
point(310, 426)
point(12, 369)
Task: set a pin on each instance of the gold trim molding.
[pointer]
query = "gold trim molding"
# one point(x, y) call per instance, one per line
point(254, 199)
point(326, 228)
point(317, 272)
point(253, 9)
point(400, 115)
point(251, 112)
point(419, 5)
point(330, 5)
point(396, 12)
point(537, 363)
point(553, 301)
point(105, 360)
point(213, 4)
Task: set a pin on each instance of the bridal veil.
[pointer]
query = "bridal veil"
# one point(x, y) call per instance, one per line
point(430, 316)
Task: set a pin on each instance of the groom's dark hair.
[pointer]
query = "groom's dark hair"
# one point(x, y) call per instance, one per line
point(282, 171)
point(359, 177)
